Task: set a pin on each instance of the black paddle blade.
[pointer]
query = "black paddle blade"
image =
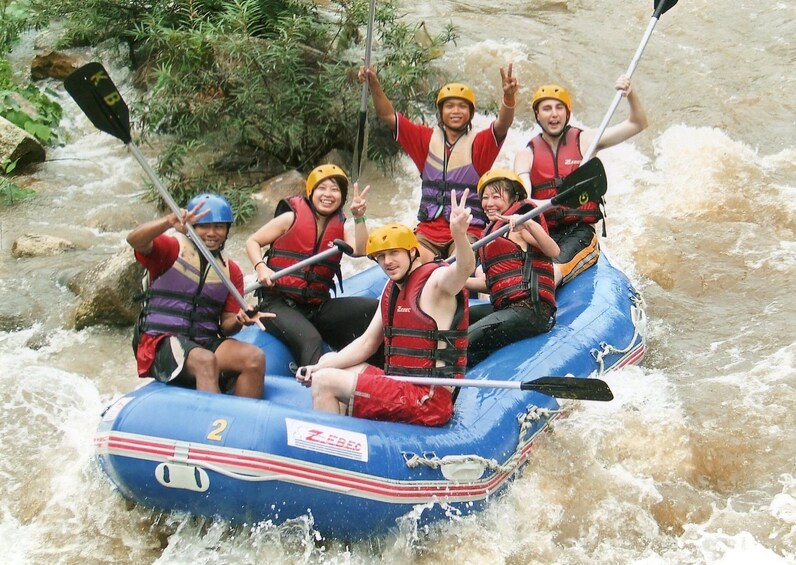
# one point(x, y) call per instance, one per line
point(93, 90)
point(571, 388)
point(663, 6)
point(586, 183)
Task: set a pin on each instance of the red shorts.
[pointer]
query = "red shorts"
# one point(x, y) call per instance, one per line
point(377, 397)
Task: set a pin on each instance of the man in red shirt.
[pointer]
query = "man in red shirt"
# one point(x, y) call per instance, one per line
point(181, 337)
point(449, 156)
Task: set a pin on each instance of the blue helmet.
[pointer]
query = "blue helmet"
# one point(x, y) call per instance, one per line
point(220, 210)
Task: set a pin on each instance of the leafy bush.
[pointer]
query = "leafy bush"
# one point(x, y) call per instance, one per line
point(44, 121)
point(257, 86)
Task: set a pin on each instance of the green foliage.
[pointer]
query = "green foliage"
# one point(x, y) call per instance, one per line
point(13, 19)
point(41, 114)
point(41, 122)
point(274, 80)
point(10, 192)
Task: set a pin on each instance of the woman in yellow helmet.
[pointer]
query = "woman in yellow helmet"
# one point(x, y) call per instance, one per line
point(303, 226)
point(449, 156)
point(516, 269)
point(557, 151)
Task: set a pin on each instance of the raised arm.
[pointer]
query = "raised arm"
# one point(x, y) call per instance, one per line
point(384, 108)
point(506, 113)
point(141, 238)
point(634, 124)
point(359, 240)
point(451, 280)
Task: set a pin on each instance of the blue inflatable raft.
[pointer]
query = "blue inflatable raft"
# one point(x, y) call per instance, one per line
point(276, 459)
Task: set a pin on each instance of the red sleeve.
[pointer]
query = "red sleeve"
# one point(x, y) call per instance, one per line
point(164, 252)
point(414, 139)
point(486, 148)
point(236, 276)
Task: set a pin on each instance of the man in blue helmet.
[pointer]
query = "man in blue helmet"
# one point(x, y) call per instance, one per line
point(188, 312)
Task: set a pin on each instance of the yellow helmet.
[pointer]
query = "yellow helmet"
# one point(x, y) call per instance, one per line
point(502, 174)
point(456, 90)
point(391, 236)
point(552, 91)
point(324, 172)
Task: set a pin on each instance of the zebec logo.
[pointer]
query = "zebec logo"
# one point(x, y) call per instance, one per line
point(326, 439)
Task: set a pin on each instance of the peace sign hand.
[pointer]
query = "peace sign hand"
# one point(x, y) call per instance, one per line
point(358, 204)
point(461, 216)
point(510, 83)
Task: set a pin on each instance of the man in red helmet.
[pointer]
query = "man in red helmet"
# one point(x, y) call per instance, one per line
point(555, 153)
point(188, 312)
point(449, 156)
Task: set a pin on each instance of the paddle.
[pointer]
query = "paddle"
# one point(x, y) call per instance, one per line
point(94, 92)
point(335, 247)
point(361, 144)
point(661, 7)
point(560, 387)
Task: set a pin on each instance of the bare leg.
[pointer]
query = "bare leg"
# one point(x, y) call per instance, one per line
point(202, 365)
point(332, 389)
point(246, 360)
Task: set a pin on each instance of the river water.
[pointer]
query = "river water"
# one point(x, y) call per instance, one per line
point(693, 462)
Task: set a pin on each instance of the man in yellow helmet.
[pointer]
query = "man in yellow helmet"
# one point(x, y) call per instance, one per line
point(422, 320)
point(449, 156)
point(555, 153)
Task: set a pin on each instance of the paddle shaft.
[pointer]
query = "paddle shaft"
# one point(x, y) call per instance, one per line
point(191, 233)
point(562, 387)
point(360, 148)
point(297, 267)
point(660, 8)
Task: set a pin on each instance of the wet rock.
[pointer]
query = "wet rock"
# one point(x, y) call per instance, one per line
point(18, 145)
point(39, 245)
point(285, 185)
point(12, 322)
point(38, 340)
point(53, 64)
point(108, 292)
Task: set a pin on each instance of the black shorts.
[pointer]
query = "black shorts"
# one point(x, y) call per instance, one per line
point(169, 363)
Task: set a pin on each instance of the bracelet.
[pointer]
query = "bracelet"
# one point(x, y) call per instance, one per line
point(259, 263)
point(509, 107)
point(360, 220)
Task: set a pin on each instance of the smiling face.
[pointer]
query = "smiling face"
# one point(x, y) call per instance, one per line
point(213, 235)
point(455, 113)
point(494, 200)
point(552, 115)
point(327, 197)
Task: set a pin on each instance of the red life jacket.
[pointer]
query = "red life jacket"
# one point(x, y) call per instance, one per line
point(411, 337)
point(310, 285)
point(548, 172)
point(512, 274)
